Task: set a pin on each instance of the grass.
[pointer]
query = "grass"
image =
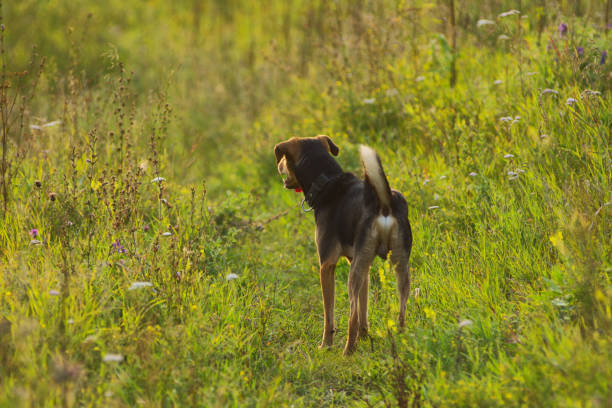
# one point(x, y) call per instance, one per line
point(160, 170)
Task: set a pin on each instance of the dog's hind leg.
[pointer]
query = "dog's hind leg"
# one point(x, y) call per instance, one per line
point(400, 258)
point(362, 306)
point(357, 278)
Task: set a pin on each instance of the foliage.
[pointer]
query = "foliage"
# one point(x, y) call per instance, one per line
point(150, 255)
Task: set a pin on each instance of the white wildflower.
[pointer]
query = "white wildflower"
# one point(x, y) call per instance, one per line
point(433, 207)
point(498, 82)
point(166, 234)
point(231, 277)
point(420, 78)
point(505, 119)
point(392, 92)
point(112, 358)
point(465, 323)
point(509, 13)
point(54, 292)
point(483, 22)
point(139, 285)
point(369, 101)
point(158, 180)
point(508, 156)
point(503, 37)
point(436, 196)
point(53, 123)
point(570, 101)
point(473, 174)
point(35, 242)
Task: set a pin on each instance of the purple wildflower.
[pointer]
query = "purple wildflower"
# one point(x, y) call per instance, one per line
point(580, 51)
point(562, 29)
point(118, 248)
point(33, 233)
point(604, 55)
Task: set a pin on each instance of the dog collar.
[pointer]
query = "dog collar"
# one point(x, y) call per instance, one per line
point(316, 192)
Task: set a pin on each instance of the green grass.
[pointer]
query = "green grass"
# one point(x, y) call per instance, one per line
point(511, 294)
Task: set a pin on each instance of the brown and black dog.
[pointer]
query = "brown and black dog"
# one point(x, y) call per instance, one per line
point(355, 218)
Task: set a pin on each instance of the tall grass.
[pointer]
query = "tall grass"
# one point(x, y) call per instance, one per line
point(150, 256)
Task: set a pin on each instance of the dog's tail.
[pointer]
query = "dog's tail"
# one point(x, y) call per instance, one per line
point(375, 177)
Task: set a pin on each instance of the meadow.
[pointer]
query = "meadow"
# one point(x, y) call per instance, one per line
point(150, 256)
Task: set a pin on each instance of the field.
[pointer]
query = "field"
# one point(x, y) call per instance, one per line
point(150, 256)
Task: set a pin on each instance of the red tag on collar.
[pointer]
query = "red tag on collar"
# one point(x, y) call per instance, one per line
point(298, 190)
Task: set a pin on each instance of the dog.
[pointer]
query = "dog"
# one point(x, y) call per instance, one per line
point(357, 219)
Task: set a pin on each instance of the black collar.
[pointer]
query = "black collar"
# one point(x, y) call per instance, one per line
point(318, 189)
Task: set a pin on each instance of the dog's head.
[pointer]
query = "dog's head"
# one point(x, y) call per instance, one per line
point(290, 153)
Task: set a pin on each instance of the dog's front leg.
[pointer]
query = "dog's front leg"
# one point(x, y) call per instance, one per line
point(328, 285)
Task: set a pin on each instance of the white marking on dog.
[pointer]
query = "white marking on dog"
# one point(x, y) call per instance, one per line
point(385, 223)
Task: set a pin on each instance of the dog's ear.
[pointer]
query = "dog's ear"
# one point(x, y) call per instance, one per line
point(329, 145)
point(290, 149)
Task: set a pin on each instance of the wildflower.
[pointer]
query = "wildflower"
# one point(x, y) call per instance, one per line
point(498, 82)
point(417, 293)
point(231, 277)
point(35, 242)
point(436, 196)
point(580, 51)
point(52, 196)
point(392, 92)
point(590, 92)
point(512, 175)
point(112, 358)
point(547, 91)
point(426, 181)
point(54, 292)
point(118, 248)
point(53, 123)
point(465, 323)
point(503, 37)
point(140, 285)
point(146, 227)
point(508, 156)
point(433, 207)
point(166, 203)
point(420, 78)
point(166, 234)
point(473, 174)
point(570, 101)
point(483, 22)
point(604, 55)
point(562, 30)
point(158, 180)
point(505, 119)
point(369, 101)
point(442, 177)
point(33, 233)
point(531, 73)
point(509, 13)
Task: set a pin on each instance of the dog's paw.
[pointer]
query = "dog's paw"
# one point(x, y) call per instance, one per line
point(349, 349)
point(326, 343)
